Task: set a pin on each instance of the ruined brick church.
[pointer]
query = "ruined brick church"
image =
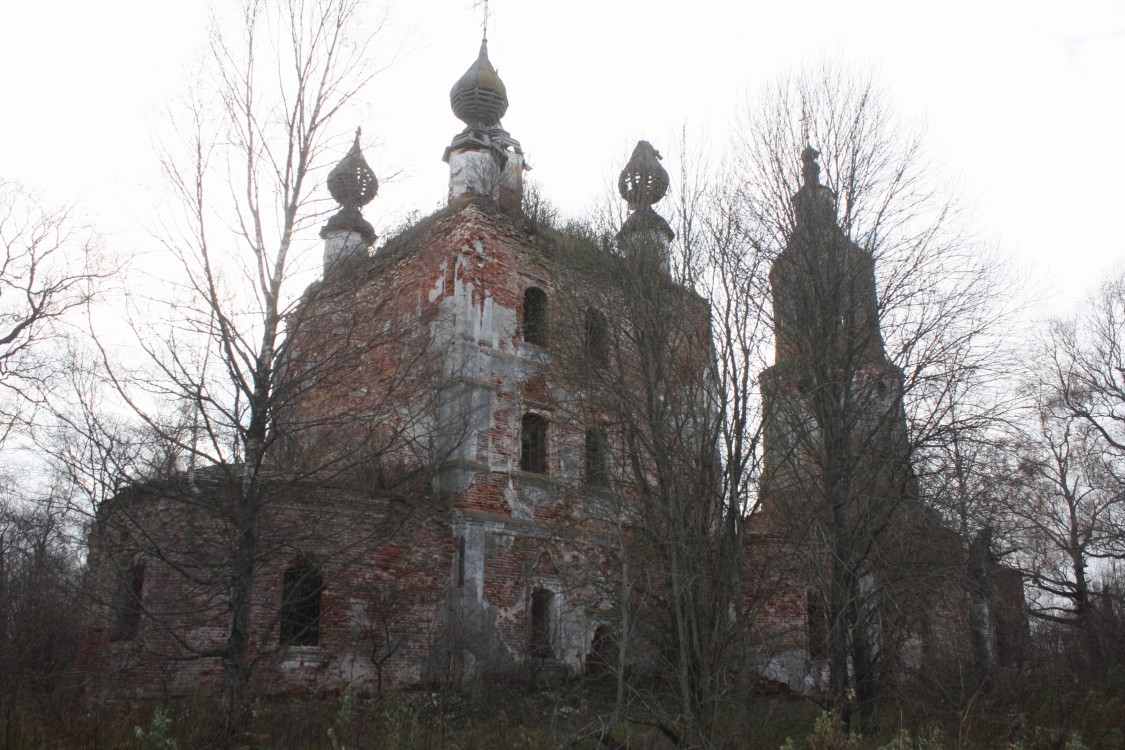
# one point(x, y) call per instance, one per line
point(435, 504)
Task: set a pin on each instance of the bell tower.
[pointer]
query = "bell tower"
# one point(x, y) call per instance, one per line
point(832, 393)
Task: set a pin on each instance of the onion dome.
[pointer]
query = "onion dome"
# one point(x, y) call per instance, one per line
point(643, 181)
point(352, 184)
point(479, 96)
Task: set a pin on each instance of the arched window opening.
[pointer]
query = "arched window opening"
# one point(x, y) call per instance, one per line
point(129, 606)
point(602, 654)
point(535, 316)
point(533, 443)
point(597, 338)
point(302, 586)
point(597, 466)
point(817, 627)
point(540, 646)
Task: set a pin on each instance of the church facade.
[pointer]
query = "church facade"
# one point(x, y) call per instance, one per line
point(437, 507)
point(428, 508)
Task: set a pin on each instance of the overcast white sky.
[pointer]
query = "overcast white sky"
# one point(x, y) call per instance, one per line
point(1024, 102)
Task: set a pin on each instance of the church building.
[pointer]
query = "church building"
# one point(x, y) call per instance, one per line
point(428, 510)
point(439, 502)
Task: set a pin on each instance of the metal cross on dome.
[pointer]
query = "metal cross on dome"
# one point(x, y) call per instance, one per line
point(484, 21)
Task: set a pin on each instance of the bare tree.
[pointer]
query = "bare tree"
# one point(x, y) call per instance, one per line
point(657, 355)
point(1069, 501)
point(882, 309)
point(227, 379)
point(40, 567)
point(1066, 520)
point(49, 269)
point(1085, 364)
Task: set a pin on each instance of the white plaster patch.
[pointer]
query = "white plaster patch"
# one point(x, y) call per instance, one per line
point(357, 616)
point(521, 506)
point(340, 245)
point(508, 614)
point(503, 325)
point(794, 669)
point(439, 283)
point(299, 657)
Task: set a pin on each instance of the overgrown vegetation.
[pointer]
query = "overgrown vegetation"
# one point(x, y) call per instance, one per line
point(1036, 714)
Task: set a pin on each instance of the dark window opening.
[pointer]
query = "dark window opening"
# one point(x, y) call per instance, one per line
point(533, 444)
point(818, 627)
point(650, 352)
point(129, 604)
point(597, 469)
point(461, 561)
point(535, 316)
point(602, 655)
point(540, 646)
point(597, 338)
point(300, 606)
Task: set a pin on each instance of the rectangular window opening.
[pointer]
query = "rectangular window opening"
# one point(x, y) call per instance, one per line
point(597, 465)
point(541, 646)
point(300, 607)
point(533, 443)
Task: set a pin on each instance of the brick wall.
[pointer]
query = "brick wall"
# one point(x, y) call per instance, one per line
point(404, 390)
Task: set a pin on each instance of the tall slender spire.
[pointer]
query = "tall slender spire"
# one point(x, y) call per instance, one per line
point(821, 269)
